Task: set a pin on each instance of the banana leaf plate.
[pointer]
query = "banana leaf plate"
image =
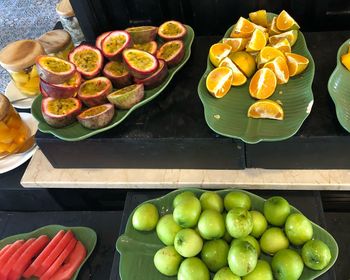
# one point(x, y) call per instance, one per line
point(138, 248)
point(228, 116)
point(84, 234)
point(76, 132)
point(339, 88)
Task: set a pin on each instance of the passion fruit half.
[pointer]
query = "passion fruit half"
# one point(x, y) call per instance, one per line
point(141, 64)
point(142, 34)
point(99, 40)
point(54, 70)
point(94, 92)
point(64, 90)
point(150, 47)
point(172, 30)
point(97, 117)
point(114, 44)
point(156, 78)
point(118, 73)
point(60, 112)
point(127, 97)
point(172, 52)
point(88, 60)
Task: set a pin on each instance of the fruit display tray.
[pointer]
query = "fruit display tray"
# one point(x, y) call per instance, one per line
point(171, 132)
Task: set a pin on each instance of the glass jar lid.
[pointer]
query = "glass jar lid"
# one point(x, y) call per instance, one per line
point(4, 106)
point(55, 40)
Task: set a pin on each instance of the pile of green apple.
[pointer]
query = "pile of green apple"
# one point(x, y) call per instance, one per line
point(225, 237)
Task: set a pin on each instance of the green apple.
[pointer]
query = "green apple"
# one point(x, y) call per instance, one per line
point(211, 201)
point(316, 254)
point(145, 217)
point(237, 199)
point(276, 210)
point(187, 212)
point(193, 269)
point(225, 273)
point(298, 229)
point(211, 225)
point(181, 197)
point(167, 229)
point(273, 240)
point(251, 240)
point(167, 261)
point(259, 223)
point(227, 237)
point(262, 271)
point(239, 222)
point(214, 254)
point(188, 243)
point(287, 265)
point(242, 258)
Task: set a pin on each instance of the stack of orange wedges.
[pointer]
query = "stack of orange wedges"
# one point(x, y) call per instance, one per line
point(259, 50)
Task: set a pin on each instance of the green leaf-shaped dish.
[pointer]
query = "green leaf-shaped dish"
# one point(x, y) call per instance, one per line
point(339, 88)
point(76, 132)
point(228, 116)
point(138, 248)
point(86, 235)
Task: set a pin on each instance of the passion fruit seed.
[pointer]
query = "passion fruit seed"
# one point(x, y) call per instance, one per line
point(55, 65)
point(139, 60)
point(61, 106)
point(124, 90)
point(94, 111)
point(139, 28)
point(168, 50)
point(114, 43)
point(171, 29)
point(147, 47)
point(117, 68)
point(71, 82)
point(86, 59)
point(90, 88)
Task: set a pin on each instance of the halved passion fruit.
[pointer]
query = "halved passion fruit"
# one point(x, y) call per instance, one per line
point(99, 40)
point(141, 64)
point(64, 90)
point(60, 112)
point(97, 117)
point(156, 78)
point(150, 47)
point(142, 34)
point(118, 73)
point(114, 44)
point(88, 60)
point(54, 70)
point(127, 97)
point(172, 52)
point(172, 30)
point(94, 92)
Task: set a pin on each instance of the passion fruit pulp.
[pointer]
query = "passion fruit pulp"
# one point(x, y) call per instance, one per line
point(97, 117)
point(156, 78)
point(94, 92)
point(127, 97)
point(114, 44)
point(118, 73)
point(172, 30)
point(172, 52)
point(141, 64)
point(99, 40)
point(150, 47)
point(142, 34)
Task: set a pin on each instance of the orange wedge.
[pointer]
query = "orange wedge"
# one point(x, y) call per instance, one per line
point(291, 36)
point(257, 42)
point(238, 77)
point(259, 17)
point(285, 22)
point(266, 109)
point(273, 30)
point(218, 52)
point(242, 29)
point(237, 44)
point(263, 84)
point(283, 45)
point(219, 81)
point(266, 54)
point(245, 62)
point(345, 59)
point(280, 68)
point(296, 63)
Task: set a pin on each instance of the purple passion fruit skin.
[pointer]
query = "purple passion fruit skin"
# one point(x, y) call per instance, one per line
point(172, 30)
point(97, 117)
point(54, 70)
point(60, 112)
point(88, 60)
point(118, 73)
point(141, 64)
point(65, 90)
point(94, 92)
point(156, 78)
point(114, 44)
point(99, 40)
point(150, 47)
point(142, 34)
point(127, 97)
point(172, 52)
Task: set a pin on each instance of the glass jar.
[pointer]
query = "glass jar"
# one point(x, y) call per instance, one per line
point(57, 43)
point(13, 131)
point(18, 58)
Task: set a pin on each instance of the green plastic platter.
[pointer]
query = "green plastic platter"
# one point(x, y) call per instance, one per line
point(339, 88)
point(228, 116)
point(138, 248)
point(76, 132)
point(86, 235)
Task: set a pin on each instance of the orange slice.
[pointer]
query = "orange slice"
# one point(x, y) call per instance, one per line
point(285, 22)
point(266, 54)
point(266, 109)
point(280, 68)
point(259, 17)
point(345, 59)
point(245, 62)
point(219, 81)
point(283, 45)
point(238, 77)
point(218, 52)
point(291, 36)
point(242, 29)
point(296, 63)
point(237, 44)
point(273, 30)
point(257, 42)
point(263, 84)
